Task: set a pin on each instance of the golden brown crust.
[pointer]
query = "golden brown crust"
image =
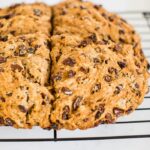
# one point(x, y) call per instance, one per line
point(23, 100)
point(97, 74)
point(25, 97)
point(25, 18)
point(35, 10)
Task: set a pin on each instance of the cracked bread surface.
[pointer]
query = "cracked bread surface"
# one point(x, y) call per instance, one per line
point(25, 97)
point(25, 93)
point(73, 65)
point(25, 19)
point(99, 71)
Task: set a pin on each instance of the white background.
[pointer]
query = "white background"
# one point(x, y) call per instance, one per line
point(132, 144)
point(109, 4)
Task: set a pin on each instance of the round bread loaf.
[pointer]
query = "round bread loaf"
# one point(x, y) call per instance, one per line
point(73, 65)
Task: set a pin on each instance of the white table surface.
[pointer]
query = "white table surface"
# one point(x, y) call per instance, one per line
point(126, 144)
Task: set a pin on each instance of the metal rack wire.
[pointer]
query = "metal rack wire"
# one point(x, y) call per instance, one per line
point(136, 125)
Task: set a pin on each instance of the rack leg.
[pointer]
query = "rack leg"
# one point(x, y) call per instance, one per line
point(55, 135)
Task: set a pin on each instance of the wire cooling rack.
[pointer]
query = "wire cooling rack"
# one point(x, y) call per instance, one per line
point(136, 125)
